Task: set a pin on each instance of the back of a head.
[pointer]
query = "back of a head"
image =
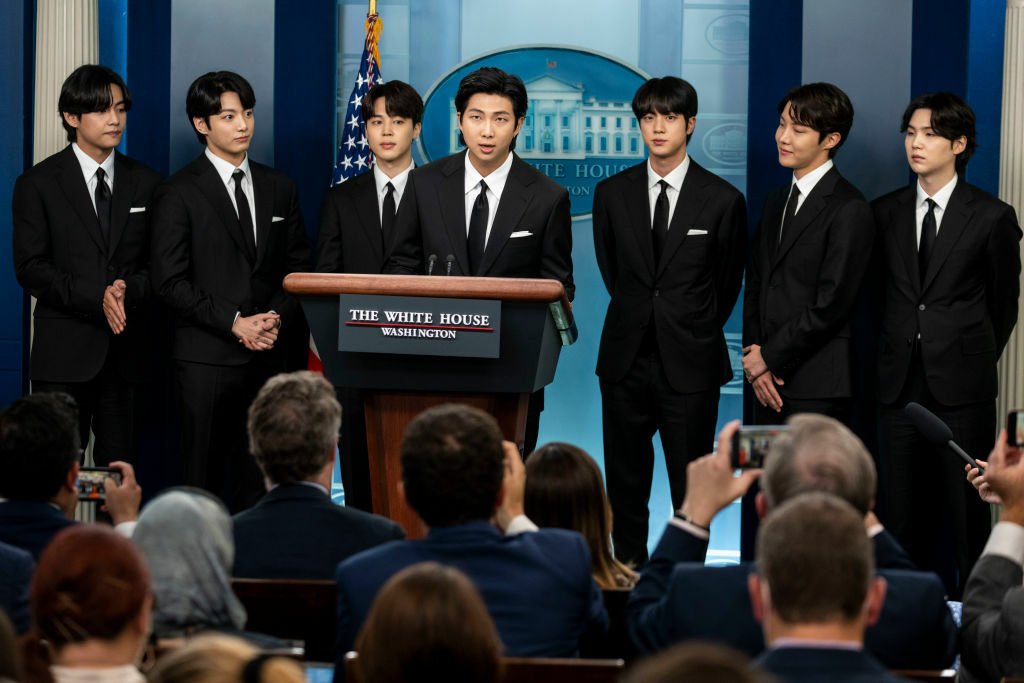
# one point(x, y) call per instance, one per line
point(293, 426)
point(39, 443)
point(698, 662)
point(819, 453)
point(817, 559)
point(429, 623)
point(452, 464)
point(223, 659)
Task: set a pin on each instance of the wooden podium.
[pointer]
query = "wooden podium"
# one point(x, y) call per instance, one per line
point(535, 322)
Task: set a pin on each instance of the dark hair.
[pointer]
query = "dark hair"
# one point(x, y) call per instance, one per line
point(822, 107)
point(400, 99)
point(952, 118)
point(489, 80)
point(564, 489)
point(697, 661)
point(428, 622)
point(212, 657)
point(39, 443)
point(87, 90)
point(667, 95)
point(203, 99)
point(452, 464)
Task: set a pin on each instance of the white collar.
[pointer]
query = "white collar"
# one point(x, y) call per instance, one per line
point(225, 168)
point(941, 197)
point(495, 179)
point(674, 178)
point(807, 183)
point(89, 164)
point(381, 179)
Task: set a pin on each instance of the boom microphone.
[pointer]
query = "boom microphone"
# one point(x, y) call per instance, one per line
point(936, 431)
point(449, 260)
point(431, 262)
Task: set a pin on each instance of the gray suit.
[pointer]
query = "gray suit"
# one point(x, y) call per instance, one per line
point(993, 626)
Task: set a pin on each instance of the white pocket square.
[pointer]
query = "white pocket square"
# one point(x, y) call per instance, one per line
point(696, 231)
point(520, 233)
point(137, 209)
point(277, 219)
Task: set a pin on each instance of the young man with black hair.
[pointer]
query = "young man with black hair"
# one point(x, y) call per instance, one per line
point(670, 240)
point(81, 247)
point(356, 230)
point(226, 231)
point(950, 258)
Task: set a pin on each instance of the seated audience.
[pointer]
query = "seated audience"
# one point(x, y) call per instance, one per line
point(697, 663)
point(456, 474)
point(815, 591)
point(428, 623)
point(214, 658)
point(993, 626)
point(91, 605)
point(564, 489)
point(10, 659)
point(15, 573)
point(679, 598)
point(39, 458)
point(296, 531)
point(185, 536)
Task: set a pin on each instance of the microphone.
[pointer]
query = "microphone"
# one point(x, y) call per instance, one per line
point(936, 431)
point(449, 260)
point(431, 262)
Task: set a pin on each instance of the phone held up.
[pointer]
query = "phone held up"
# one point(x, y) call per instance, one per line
point(91, 482)
point(750, 445)
point(1015, 427)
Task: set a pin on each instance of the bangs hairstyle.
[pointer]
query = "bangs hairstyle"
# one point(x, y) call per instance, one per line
point(822, 107)
point(489, 80)
point(952, 118)
point(203, 99)
point(87, 90)
point(668, 95)
point(400, 100)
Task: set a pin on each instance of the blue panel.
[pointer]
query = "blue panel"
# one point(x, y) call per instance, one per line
point(434, 45)
point(148, 74)
point(940, 31)
point(113, 48)
point(661, 43)
point(985, 88)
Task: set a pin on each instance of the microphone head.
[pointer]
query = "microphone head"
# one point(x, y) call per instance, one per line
point(450, 258)
point(925, 421)
point(433, 258)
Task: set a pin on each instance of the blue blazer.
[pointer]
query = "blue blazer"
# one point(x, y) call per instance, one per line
point(537, 586)
point(297, 532)
point(30, 525)
point(678, 598)
point(813, 664)
point(15, 574)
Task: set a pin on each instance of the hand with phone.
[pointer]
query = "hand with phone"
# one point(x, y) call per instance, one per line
point(124, 495)
point(710, 483)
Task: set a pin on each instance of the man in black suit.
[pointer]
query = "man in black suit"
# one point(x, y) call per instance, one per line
point(356, 230)
point(670, 240)
point(296, 531)
point(226, 231)
point(486, 211)
point(81, 247)
point(951, 264)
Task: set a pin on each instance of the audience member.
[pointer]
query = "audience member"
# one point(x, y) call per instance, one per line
point(678, 598)
point(215, 658)
point(39, 457)
point(10, 659)
point(185, 535)
point(815, 591)
point(91, 605)
point(698, 662)
point(456, 473)
point(993, 626)
point(15, 574)
point(428, 623)
point(564, 489)
point(296, 531)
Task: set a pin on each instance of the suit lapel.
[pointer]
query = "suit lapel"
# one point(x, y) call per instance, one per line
point(364, 197)
point(453, 208)
point(955, 218)
point(688, 206)
point(515, 197)
point(263, 189)
point(638, 203)
point(809, 210)
point(903, 233)
point(72, 184)
point(124, 190)
point(216, 194)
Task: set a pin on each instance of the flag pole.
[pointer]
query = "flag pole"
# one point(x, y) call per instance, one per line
point(373, 6)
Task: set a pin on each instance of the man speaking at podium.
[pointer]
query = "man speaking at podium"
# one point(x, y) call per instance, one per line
point(485, 211)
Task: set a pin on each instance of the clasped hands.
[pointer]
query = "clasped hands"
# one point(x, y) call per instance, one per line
point(257, 332)
point(113, 306)
point(761, 379)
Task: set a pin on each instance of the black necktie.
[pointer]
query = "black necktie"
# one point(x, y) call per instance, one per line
point(102, 196)
point(928, 232)
point(244, 216)
point(478, 230)
point(387, 215)
point(787, 216)
point(659, 226)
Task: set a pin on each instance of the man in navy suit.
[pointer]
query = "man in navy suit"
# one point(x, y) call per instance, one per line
point(296, 531)
point(16, 568)
point(458, 474)
point(815, 591)
point(678, 598)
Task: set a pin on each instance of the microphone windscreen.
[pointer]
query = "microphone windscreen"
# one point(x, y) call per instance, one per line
point(931, 427)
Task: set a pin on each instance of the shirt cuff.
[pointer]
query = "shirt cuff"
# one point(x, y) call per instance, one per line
point(874, 530)
point(126, 529)
point(690, 528)
point(520, 524)
point(1006, 540)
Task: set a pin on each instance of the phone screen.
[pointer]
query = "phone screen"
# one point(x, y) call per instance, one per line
point(751, 444)
point(91, 482)
point(1015, 427)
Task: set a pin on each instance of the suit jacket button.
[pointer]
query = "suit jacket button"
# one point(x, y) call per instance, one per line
point(657, 292)
point(920, 307)
point(910, 342)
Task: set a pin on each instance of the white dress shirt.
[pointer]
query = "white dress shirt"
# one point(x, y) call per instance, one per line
point(89, 167)
point(674, 179)
point(807, 183)
point(224, 170)
point(495, 185)
point(941, 199)
point(398, 182)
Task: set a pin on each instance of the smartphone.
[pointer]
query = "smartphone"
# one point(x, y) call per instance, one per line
point(90, 482)
point(1015, 427)
point(750, 445)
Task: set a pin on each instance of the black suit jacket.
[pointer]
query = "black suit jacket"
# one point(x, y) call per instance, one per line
point(297, 532)
point(30, 525)
point(432, 220)
point(350, 234)
point(62, 258)
point(967, 305)
point(815, 664)
point(688, 294)
point(199, 263)
point(800, 294)
point(16, 569)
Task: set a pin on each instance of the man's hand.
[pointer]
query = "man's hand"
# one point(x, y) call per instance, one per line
point(113, 306)
point(1005, 476)
point(978, 481)
point(124, 499)
point(513, 486)
point(761, 379)
point(710, 484)
point(257, 332)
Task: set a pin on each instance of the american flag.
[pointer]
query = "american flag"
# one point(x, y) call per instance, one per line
point(354, 156)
